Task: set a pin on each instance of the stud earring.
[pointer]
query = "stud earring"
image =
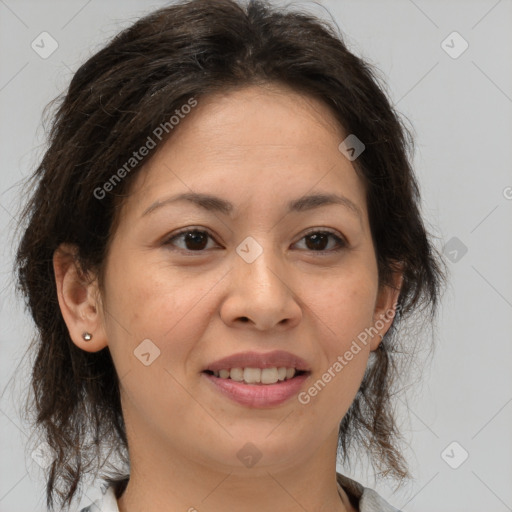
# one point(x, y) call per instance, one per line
point(86, 336)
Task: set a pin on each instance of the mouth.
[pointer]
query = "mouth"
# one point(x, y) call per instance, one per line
point(257, 376)
point(256, 379)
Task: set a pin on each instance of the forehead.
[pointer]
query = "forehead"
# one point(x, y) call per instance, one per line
point(270, 114)
point(255, 141)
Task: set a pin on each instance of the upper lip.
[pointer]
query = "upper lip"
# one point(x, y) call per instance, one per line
point(276, 358)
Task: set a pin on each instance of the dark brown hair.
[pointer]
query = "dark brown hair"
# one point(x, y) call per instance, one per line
point(118, 98)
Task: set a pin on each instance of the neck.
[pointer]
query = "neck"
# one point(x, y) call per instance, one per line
point(171, 481)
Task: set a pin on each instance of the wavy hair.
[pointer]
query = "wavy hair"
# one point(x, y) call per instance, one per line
point(115, 100)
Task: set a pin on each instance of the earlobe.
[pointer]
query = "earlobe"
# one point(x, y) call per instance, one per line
point(78, 297)
point(386, 305)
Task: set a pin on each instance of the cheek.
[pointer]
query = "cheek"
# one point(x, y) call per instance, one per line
point(345, 304)
point(343, 315)
point(151, 323)
point(148, 300)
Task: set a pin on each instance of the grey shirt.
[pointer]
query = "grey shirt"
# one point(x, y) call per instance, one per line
point(363, 498)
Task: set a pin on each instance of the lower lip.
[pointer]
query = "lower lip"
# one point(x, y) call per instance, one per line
point(258, 395)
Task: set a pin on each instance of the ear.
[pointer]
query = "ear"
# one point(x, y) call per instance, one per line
point(385, 305)
point(79, 300)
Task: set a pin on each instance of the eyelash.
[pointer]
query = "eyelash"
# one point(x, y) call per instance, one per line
point(342, 244)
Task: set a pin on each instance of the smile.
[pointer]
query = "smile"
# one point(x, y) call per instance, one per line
point(257, 375)
point(257, 388)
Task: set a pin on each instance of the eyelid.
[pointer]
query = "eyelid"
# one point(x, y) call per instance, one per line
point(168, 239)
point(342, 242)
point(330, 231)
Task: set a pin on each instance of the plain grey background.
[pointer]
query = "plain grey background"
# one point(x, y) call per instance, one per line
point(459, 104)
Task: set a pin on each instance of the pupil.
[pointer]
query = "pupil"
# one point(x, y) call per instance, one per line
point(317, 241)
point(193, 240)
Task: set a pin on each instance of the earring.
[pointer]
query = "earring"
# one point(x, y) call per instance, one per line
point(86, 336)
point(381, 337)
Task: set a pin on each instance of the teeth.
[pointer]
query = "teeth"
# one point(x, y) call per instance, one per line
point(269, 376)
point(252, 375)
point(256, 375)
point(235, 374)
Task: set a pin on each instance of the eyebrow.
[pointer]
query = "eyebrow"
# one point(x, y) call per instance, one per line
point(216, 204)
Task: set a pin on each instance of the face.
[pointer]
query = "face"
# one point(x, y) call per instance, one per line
point(256, 276)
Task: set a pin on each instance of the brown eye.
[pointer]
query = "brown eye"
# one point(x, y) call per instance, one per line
point(318, 241)
point(196, 240)
point(193, 239)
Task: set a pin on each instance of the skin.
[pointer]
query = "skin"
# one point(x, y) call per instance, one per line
point(258, 147)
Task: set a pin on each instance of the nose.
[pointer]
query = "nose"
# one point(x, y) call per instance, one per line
point(260, 294)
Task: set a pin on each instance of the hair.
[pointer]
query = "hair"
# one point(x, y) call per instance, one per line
point(118, 98)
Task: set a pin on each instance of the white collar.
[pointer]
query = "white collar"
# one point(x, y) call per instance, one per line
point(106, 503)
point(369, 501)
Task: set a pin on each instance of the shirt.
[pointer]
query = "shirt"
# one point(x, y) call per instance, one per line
point(365, 498)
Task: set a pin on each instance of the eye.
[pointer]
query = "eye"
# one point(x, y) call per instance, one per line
point(317, 241)
point(196, 240)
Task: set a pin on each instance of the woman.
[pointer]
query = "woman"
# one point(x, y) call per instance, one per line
point(222, 244)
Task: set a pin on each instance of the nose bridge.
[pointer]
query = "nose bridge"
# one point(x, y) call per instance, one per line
point(257, 264)
point(259, 290)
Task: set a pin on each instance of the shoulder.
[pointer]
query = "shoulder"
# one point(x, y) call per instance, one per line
point(105, 503)
point(366, 499)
